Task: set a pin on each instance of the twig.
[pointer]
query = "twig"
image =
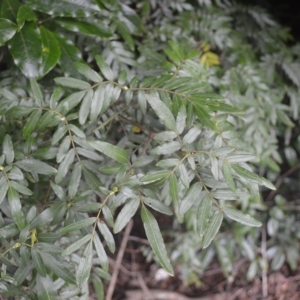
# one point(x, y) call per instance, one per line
point(144, 287)
point(280, 181)
point(114, 276)
point(264, 269)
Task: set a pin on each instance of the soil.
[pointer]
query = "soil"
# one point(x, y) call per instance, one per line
point(136, 281)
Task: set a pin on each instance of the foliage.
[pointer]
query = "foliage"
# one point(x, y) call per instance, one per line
point(112, 109)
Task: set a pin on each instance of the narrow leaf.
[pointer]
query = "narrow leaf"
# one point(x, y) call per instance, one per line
point(107, 236)
point(125, 215)
point(37, 262)
point(155, 176)
point(212, 229)
point(111, 151)
point(64, 166)
point(158, 206)
point(85, 264)
point(74, 181)
point(72, 83)
point(31, 123)
point(162, 111)
point(85, 106)
point(190, 198)
point(238, 216)
point(173, 187)
point(228, 176)
point(78, 225)
point(78, 244)
point(203, 214)
point(57, 268)
point(214, 167)
point(104, 67)
point(8, 149)
point(16, 207)
point(103, 259)
point(156, 241)
point(88, 72)
point(33, 165)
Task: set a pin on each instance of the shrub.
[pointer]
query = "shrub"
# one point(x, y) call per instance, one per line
point(114, 109)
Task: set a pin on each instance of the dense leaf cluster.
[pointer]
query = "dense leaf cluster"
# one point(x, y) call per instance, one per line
point(111, 109)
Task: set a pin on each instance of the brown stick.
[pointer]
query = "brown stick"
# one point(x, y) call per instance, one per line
point(264, 270)
point(115, 274)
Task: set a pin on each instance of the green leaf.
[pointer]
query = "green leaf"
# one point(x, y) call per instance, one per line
point(125, 215)
point(85, 264)
point(155, 239)
point(88, 72)
point(58, 190)
point(78, 225)
point(104, 67)
point(212, 229)
point(26, 49)
point(108, 215)
point(162, 111)
point(50, 52)
point(20, 188)
point(252, 176)
point(184, 177)
point(22, 272)
point(190, 198)
point(16, 207)
point(33, 165)
point(77, 131)
point(8, 149)
point(36, 91)
point(173, 187)
point(58, 268)
point(228, 176)
point(7, 30)
point(63, 168)
point(155, 176)
point(25, 13)
point(64, 7)
point(227, 108)
point(103, 259)
point(78, 244)
point(74, 181)
point(3, 191)
point(42, 219)
point(238, 216)
point(214, 167)
point(92, 179)
point(70, 102)
point(125, 34)
point(69, 54)
point(59, 134)
point(158, 206)
point(108, 237)
point(142, 161)
point(31, 123)
point(9, 9)
point(45, 288)
point(203, 214)
point(37, 262)
point(84, 27)
point(89, 154)
point(85, 106)
point(181, 119)
point(111, 151)
point(72, 83)
point(167, 148)
point(204, 117)
point(15, 174)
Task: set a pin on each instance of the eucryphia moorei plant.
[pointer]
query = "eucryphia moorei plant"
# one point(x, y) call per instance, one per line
point(115, 109)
